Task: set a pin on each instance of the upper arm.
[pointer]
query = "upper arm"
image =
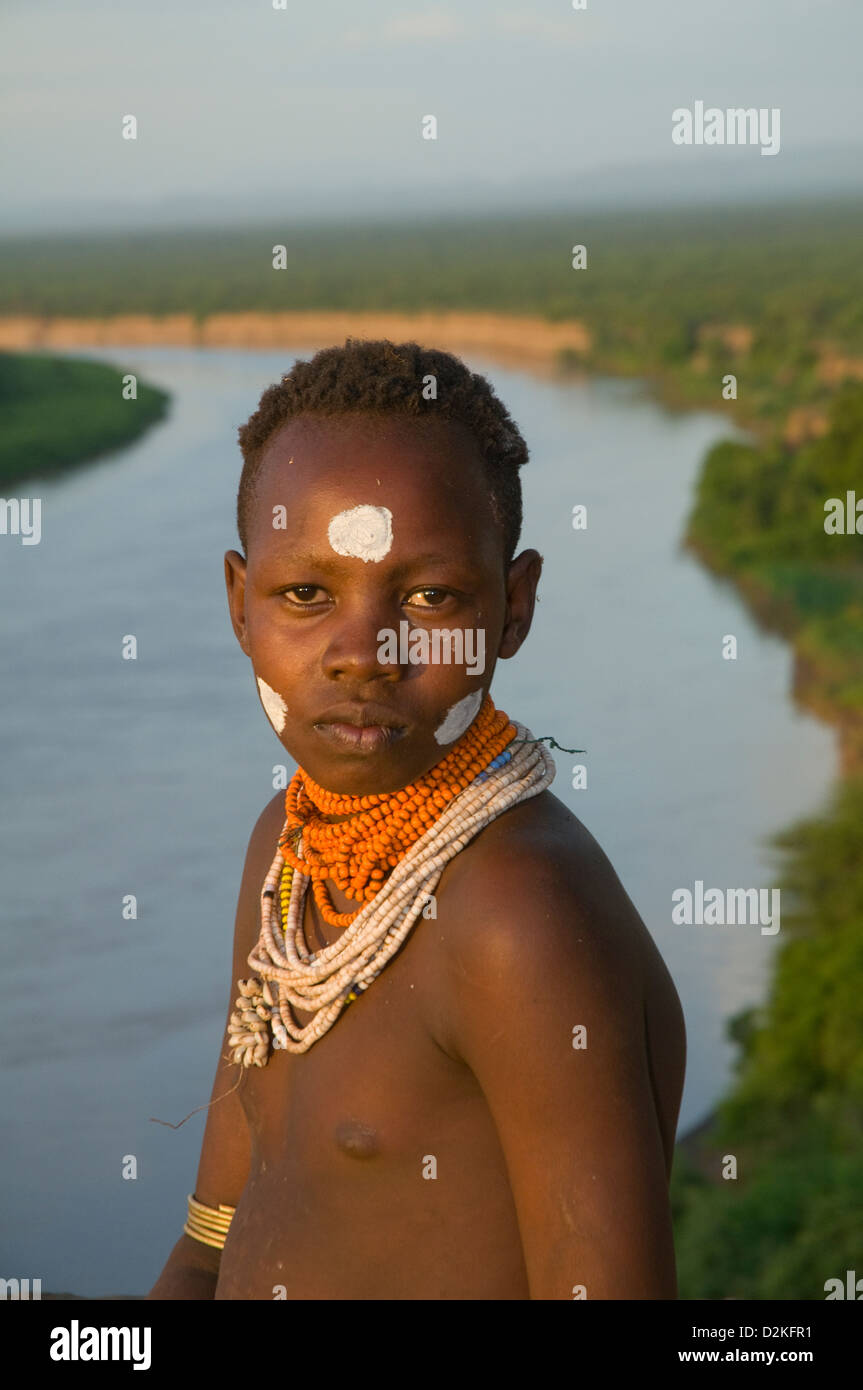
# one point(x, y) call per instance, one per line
point(226, 1149)
point(577, 1123)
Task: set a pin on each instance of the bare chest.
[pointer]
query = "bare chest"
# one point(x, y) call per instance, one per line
point(376, 1089)
point(376, 1170)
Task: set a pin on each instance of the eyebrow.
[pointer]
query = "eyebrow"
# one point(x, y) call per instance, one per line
point(329, 565)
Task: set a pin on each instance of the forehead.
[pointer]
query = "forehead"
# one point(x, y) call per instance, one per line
point(428, 473)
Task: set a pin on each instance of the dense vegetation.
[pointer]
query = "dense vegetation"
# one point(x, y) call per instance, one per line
point(57, 412)
point(655, 286)
point(760, 516)
point(793, 1217)
point(794, 1117)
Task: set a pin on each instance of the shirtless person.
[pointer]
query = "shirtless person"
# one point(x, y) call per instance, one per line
point(551, 1160)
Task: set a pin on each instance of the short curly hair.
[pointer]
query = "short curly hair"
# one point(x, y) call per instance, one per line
point(384, 378)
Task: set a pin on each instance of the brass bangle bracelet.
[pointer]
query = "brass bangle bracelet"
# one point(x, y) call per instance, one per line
point(209, 1225)
point(220, 1216)
point(215, 1242)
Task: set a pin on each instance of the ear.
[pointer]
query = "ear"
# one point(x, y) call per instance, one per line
point(235, 581)
point(521, 585)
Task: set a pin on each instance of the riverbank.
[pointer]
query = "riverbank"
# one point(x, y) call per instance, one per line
point(545, 346)
point(59, 413)
point(521, 340)
point(759, 523)
point(765, 1192)
point(814, 678)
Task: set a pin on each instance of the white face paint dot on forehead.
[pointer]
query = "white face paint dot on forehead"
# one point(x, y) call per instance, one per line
point(363, 532)
point(459, 717)
point(274, 706)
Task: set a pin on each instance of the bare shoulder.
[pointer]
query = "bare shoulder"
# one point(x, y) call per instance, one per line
point(267, 829)
point(555, 1000)
point(263, 843)
point(536, 881)
point(268, 826)
point(537, 928)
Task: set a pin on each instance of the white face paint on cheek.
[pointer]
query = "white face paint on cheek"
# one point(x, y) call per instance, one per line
point(363, 532)
point(459, 717)
point(274, 706)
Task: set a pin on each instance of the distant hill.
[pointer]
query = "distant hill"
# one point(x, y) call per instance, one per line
point(691, 176)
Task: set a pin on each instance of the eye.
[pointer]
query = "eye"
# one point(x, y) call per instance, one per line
point(304, 592)
point(434, 598)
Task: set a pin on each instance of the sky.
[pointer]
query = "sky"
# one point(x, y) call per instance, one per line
point(316, 110)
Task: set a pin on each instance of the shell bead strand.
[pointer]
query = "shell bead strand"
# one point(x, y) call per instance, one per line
point(325, 982)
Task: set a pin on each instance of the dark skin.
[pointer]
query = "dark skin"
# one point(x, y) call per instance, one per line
point(551, 1162)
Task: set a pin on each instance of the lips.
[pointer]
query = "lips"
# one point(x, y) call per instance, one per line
point(360, 728)
point(368, 738)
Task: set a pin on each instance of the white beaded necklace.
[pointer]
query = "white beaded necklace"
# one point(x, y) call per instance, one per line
point(324, 982)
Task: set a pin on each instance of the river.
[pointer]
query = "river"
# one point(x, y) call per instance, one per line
point(145, 777)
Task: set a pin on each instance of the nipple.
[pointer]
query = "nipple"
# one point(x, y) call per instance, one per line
point(356, 1139)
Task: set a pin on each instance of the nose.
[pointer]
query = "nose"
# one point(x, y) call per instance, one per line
point(356, 651)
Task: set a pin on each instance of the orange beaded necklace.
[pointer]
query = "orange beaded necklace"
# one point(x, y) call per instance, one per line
point(359, 853)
